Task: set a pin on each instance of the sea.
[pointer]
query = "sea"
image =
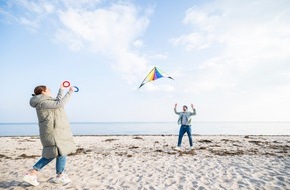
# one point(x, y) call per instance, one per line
point(155, 128)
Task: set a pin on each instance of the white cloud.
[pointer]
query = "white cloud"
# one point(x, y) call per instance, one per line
point(247, 38)
point(138, 43)
point(247, 44)
point(193, 41)
point(206, 20)
point(29, 13)
point(113, 29)
point(83, 4)
point(159, 56)
point(130, 64)
point(69, 39)
point(152, 87)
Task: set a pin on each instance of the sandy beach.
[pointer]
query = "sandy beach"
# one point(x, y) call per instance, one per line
point(150, 162)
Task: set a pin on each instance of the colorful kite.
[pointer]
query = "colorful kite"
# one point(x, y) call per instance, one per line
point(154, 74)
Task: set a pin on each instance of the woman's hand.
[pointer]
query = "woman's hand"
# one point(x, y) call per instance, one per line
point(62, 85)
point(71, 89)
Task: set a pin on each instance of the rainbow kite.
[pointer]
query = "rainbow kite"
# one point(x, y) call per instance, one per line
point(154, 74)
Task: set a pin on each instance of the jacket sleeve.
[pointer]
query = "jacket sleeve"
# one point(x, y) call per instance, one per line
point(59, 94)
point(178, 113)
point(56, 103)
point(193, 112)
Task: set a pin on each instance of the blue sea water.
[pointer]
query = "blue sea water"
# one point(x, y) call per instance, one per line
point(155, 128)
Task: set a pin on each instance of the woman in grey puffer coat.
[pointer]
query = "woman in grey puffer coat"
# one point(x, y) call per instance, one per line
point(55, 133)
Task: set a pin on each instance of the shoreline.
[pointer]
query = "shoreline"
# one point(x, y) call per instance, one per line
point(150, 162)
point(161, 135)
point(156, 128)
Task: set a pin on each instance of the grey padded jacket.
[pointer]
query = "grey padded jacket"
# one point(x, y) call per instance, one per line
point(54, 129)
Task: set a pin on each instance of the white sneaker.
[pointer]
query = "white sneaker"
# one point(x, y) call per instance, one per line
point(63, 179)
point(177, 148)
point(31, 179)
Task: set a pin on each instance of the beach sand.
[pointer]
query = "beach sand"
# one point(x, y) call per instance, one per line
point(150, 162)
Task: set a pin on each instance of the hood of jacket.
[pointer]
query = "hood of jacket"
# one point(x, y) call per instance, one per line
point(35, 100)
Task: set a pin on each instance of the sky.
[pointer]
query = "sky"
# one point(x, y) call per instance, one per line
point(230, 59)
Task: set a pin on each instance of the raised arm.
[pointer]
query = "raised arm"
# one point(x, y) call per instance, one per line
point(59, 102)
point(193, 110)
point(175, 109)
point(60, 92)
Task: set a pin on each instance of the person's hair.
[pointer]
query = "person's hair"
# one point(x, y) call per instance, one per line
point(38, 90)
point(185, 106)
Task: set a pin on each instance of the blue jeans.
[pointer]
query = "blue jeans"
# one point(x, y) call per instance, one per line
point(184, 129)
point(60, 164)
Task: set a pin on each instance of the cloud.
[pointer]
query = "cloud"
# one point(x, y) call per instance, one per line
point(82, 4)
point(27, 13)
point(193, 41)
point(152, 87)
point(206, 20)
point(130, 64)
point(248, 43)
point(158, 56)
point(113, 29)
point(138, 43)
